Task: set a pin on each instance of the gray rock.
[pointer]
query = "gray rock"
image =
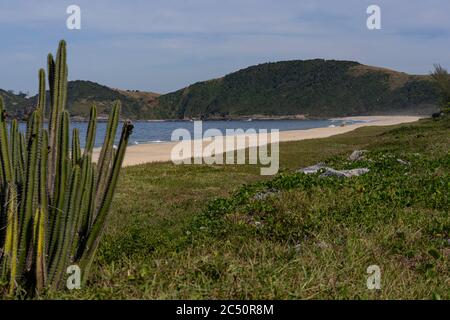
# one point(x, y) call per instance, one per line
point(357, 155)
point(406, 163)
point(313, 169)
point(356, 172)
point(329, 172)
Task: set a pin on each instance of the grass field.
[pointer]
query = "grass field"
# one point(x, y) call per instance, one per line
point(192, 232)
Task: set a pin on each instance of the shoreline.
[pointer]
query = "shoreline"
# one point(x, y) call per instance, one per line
point(161, 152)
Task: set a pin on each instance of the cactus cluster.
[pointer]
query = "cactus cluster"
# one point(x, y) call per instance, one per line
point(54, 199)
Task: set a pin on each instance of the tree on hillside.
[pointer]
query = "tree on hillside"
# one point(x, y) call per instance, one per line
point(442, 80)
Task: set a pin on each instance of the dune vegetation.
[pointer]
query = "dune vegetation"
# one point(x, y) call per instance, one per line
point(225, 232)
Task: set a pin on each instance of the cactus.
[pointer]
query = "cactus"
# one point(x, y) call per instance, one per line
point(55, 200)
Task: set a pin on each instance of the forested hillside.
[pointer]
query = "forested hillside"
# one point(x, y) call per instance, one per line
point(315, 88)
point(311, 88)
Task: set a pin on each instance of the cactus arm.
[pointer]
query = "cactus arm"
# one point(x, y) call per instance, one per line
point(42, 92)
point(51, 80)
point(4, 149)
point(108, 143)
point(40, 263)
point(60, 180)
point(16, 153)
point(15, 249)
point(76, 150)
point(12, 238)
point(59, 94)
point(28, 200)
point(89, 219)
point(65, 231)
point(57, 76)
point(40, 219)
point(104, 162)
point(43, 193)
point(9, 261)
point(91, 131)
point(22, 150)
point(85, 191)
point(99, 223)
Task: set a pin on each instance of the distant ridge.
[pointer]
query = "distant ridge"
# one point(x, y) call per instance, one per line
point(313, 88)
point(82, 94)
point(300, 88)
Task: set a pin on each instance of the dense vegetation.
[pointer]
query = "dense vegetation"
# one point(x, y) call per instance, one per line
point(311, 238)
point(315, 88)
point(442, 80)
point(81, 95)
point(18, 105)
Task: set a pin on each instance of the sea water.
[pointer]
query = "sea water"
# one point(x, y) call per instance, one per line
point(161, 131)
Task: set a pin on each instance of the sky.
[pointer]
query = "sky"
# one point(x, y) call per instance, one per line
point(164, 45)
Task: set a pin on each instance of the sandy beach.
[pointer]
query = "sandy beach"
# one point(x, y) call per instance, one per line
point(161, 152)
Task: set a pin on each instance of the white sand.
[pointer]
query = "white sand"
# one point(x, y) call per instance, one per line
point(161, 152)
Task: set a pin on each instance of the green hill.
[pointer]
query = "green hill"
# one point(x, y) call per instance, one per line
point(82, 94)
point(312, 88)
point(17, 105)
point(315, 88)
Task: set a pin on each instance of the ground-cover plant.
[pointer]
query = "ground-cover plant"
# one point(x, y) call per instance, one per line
point(303, 242)
point(396, 216)
point(54, 199)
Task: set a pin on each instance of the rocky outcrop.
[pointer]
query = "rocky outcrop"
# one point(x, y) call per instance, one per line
point(357, 155)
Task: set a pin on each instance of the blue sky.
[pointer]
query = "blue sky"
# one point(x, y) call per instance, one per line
point(163, 45)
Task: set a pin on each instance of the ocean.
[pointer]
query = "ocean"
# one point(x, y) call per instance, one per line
point(161, 131)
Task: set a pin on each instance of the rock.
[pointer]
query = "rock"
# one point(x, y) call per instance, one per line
point(313, 169)
point(329, 172)
point(356, 172)
point(357, 155)
point(406, 163)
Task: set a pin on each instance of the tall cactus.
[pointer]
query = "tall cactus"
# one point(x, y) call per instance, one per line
point(55, 200)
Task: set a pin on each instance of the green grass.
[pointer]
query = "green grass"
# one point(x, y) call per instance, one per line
point(196, 232)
